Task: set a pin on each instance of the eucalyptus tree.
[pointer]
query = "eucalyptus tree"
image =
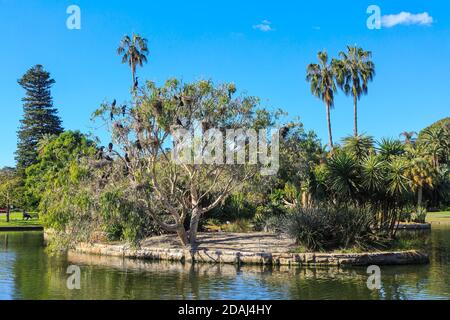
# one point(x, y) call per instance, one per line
point(356, 70)
point(134, 51)
point(171, 185)
point(322, 77)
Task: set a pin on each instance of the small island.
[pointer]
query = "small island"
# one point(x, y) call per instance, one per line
point(229, 179)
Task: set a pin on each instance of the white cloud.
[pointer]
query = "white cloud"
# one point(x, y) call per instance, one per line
point(406, 18)
point(264, 26)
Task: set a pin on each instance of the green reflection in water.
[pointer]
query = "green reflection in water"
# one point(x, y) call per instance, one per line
point(27, 272)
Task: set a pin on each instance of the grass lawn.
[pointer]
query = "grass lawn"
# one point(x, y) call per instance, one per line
point(16, 220)
point(439, 217)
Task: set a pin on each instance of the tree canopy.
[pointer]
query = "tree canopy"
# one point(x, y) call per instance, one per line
point(40, 118)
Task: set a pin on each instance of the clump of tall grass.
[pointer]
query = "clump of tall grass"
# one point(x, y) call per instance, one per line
point(326, 229)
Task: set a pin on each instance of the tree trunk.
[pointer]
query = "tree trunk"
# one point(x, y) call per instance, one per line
point(195, 218)
point(304, 199)
point(133, 71)
point(7, 213)
point(330, 134)
point(182, 235)
point(419, 198)
point(355, 114)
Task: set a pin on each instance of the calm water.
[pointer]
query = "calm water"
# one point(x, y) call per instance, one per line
point(27, 272)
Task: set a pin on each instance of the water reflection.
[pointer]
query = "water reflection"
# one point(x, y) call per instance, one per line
point(27, 272)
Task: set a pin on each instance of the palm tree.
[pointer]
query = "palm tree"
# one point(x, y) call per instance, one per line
point(355, 71)
point(134, 50)
point(322, 77)
point(420, 171)
point(409, 137)
point(436, 140)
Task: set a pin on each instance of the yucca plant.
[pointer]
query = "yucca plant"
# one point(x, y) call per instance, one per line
point(343, 178)
point(389, 148)
point(359, 146)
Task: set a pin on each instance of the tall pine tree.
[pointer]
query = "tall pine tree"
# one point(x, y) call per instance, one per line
point(40, 118)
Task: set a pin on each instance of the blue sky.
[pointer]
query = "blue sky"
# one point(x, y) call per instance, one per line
point(262, 46)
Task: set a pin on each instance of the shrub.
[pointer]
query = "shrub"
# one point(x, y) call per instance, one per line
point(329, 229)
point(420, 215)
point(238, 226)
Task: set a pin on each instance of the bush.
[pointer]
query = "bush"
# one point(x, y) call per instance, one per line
point(329, 229)
point(420, 216)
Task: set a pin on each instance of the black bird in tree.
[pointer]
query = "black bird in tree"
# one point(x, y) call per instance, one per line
point(110, 147)
point(179, 123)
point(136, 83)
point(157, 108)
point(138, 145)
point(127, 158)
point(124, 110)
point(284, 132)
point(100, 153)
point(113, 109)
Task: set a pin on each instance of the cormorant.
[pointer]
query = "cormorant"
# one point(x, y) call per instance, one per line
point(110, 147)
point(127, 159)
point(284, 132)
point(157, 108)
point(136, 83)
point(124, 110)
point(100, 153)
point(205, 126)
point(138, 145)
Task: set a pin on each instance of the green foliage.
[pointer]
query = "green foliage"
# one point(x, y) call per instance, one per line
point(121, 217)
point(58, 164)
point(360, 146)
point(322, 77)
point(329, 229)
point(343, 176)
point(134, 51)
point(389, 148)
point(355, 71)
point(420, 215)
point(40, 118)
point(11, 188)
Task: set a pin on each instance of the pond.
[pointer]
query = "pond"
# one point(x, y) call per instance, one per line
point(28, 272)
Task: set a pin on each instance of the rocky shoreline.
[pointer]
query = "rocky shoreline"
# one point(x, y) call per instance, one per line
point(247, 250)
